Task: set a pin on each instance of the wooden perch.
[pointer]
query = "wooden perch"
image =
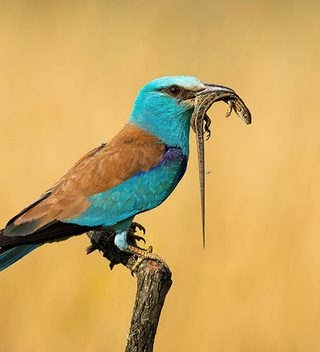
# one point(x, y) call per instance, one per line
point(153, 284)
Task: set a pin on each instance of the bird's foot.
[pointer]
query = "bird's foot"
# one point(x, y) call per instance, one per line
point(142, 255)
point(132, 237)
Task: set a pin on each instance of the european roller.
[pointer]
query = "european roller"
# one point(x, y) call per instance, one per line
point(135, 172)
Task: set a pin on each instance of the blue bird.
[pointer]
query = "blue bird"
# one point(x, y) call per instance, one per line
point(135, 172)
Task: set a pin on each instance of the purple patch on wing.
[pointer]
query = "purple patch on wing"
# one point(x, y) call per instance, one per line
point(173, 153)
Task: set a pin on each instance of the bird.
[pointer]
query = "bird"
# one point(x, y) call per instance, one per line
point(133, 173)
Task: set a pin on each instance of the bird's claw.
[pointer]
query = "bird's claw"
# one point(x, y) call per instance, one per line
point(132, 237)
point(136, 226)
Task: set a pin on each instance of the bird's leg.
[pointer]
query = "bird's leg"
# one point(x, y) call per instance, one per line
point(143, 254)
point(133, 248)
point(125, 240)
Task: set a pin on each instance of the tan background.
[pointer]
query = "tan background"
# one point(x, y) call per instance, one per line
point(69, 74)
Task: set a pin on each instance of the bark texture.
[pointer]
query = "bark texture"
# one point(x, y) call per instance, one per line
point(153, 284)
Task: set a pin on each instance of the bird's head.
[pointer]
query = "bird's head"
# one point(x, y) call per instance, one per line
point(165, 105)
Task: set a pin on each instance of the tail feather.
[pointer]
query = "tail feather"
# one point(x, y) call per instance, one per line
point(10, 256)
point(13, 248)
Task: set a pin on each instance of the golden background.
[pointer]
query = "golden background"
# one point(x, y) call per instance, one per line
point(69, 73)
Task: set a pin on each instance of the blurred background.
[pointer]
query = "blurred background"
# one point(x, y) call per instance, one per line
point(69, 74)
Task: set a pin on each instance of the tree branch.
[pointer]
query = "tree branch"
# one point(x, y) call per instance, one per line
point(153, 284)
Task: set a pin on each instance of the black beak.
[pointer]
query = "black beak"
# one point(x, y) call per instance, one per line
point(203, 101)
point(214, 89)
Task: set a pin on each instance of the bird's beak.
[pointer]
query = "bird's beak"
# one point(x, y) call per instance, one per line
point(204, 99)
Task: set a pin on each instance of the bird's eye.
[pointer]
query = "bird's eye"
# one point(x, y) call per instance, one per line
point(174, 90)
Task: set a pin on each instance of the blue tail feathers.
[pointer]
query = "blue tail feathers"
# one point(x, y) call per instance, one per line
point(10, 256)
